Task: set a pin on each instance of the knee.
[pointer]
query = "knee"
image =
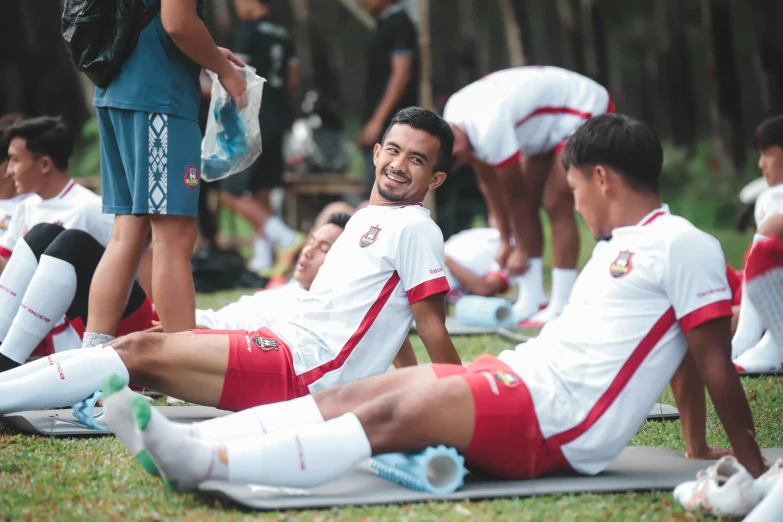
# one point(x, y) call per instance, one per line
point(73, 245)
point(138, 352)
point(174, 232)
point(559, 205)
point(41, 236)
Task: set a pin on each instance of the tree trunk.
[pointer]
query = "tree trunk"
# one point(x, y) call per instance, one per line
point(596, 56)
point(301, 11)
point(522, 17)
point(516, 52)
point(768, 18)
point(568, 13)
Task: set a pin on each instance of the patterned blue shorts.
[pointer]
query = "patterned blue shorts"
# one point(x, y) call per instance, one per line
point(150, 163)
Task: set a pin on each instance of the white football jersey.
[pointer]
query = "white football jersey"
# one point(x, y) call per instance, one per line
point(527, 110)
point(357, 313)
point(252, 312)
point(75, 207)
point(768, 204)
point(474, 249)
point(7, 207)
point(595, 372)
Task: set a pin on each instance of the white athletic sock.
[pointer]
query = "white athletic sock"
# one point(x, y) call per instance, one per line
point(531, 290)
point(40, 364)
point(299, 458)
point(13, 283)
point(763, 357)
point(92, 339)
point(260, 420)
point(764, 286)
point(47, 298)
point(62, 384)
point(749, 326)
point(263, 255)
point(563, 280)
point(279, 233)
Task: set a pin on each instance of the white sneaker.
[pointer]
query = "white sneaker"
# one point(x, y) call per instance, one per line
point(764, 483)
point(764, 357)
point(725, 488)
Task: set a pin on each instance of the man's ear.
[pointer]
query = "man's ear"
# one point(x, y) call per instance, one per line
point(47, 165)
point(376, 151)
point(437, 180)
point(602, 177)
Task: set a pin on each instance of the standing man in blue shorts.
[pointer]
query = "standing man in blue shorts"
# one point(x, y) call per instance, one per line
point(150, 164)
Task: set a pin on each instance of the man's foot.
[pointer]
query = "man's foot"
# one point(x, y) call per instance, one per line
point(540, 319)
point(118, 417)
point(524, 309)
point(183, 461)
point(764, 357)
point(725, 488)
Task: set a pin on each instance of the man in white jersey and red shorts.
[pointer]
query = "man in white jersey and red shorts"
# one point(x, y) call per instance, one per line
point(650, 307)
point(512, 126)
point(471, 267)
point(754, 346)
point(384, 271)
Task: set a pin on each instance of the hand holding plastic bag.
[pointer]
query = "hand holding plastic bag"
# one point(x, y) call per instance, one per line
point(232, 140)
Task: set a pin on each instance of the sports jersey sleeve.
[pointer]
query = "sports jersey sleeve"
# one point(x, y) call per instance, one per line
point(769, 204)
point(405, 42)
point(694, 278)
point(419, 261)
point(14, 233)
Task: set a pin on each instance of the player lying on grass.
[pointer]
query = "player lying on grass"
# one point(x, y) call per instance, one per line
point(752, 348)
point(383, 272)
point(650, 307)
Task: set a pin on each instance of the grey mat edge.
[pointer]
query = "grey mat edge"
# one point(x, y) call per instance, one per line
point(512, 336)
point(761, 374)
point(385, 493)
point(458, 329)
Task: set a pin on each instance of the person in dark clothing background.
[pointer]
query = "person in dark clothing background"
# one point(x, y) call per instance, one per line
point(392, 75)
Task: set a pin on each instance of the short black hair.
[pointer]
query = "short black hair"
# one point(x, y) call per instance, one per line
point(627, 146)
point(431, 123)
point(339, 218)
point(769, 133)
point(6, 121)
point(45, 136)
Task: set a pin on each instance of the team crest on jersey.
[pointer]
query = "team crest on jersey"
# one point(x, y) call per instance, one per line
point(507, 379)
point(369, 237)
point(265, 343)
point(5, 222)
point(191, 176)
point(622, 264)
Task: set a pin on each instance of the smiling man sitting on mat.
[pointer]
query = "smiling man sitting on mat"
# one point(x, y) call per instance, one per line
point(650, 307)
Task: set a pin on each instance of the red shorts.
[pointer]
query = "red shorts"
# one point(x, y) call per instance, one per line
point(260, 370)
point(507, 441)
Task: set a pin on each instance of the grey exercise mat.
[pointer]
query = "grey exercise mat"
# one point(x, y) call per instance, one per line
point(512, 336)
point(62, 423)
point(761, 374)
point(456, 327)
point(663, 412)
point(636, 469)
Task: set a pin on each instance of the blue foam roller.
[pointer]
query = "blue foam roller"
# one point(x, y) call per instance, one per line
point(436, 470)
point(84, 412)
point(476, 310)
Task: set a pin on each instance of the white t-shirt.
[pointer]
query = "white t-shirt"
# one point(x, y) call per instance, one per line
point(768, 204)
point(252, 312)
point(595, 372)
point(7, 207)
point(75, 207)
point(357, 313)
point(527, 110)
point(475, 249)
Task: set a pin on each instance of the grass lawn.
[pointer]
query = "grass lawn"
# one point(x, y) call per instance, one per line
point(75, 479)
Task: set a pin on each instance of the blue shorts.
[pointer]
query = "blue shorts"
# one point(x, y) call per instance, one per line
point(150, 163)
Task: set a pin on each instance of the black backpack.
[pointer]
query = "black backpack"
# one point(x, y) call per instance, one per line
point(101, 34)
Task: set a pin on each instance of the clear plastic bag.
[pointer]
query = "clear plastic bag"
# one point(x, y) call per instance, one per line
point(232, 140)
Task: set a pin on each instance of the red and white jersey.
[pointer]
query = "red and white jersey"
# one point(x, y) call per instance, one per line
point(524, 110)
point(474, 249)
point(357, 313)
point(252, 312)
point(768, 204)
point(7, 207)
point(595, 372)
point(75, 207)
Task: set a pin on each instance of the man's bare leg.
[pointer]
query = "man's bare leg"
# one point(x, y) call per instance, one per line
point(407, 419)
point(173, 239)
point(111, 284)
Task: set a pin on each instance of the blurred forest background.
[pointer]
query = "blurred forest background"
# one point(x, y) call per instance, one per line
point(702, 73)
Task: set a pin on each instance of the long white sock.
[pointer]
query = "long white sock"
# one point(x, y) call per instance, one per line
point(42, 363)
point(62, 384)
point(279, 233)
point(763, 357)
point(92, 339)
point(263, 254)
point(749, 326)
point(14, 280)
point(531, 290)
point(764, 286)
point(300, 458)
point(563, 280)
point(260, 420)
point(48, 296)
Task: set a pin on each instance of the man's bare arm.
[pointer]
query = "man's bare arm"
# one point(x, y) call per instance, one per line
point(473, 284)
point(406, 356)
point(710, 345)
point(294, 78)
point(430, 316)
point(3, 263)
point(401, 73)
